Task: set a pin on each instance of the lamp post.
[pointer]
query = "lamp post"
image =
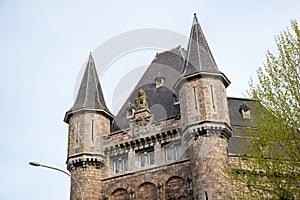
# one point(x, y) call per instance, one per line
point(36, 164)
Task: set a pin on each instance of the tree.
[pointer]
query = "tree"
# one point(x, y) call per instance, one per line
point(271, 167)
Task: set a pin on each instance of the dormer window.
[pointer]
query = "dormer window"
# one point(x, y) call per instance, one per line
point(175, 99)
point(130, 112)
point(159, 81)
point(245, 111)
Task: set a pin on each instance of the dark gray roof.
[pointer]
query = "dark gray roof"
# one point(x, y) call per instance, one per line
point(90, 94)
point(168, 65)
point(198, 57)
point(239, 124)
point(236, 117)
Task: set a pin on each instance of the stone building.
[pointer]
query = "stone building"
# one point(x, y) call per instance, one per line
point(173, 138)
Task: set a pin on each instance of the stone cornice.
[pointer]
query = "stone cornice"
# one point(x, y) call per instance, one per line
point(143, 141)
point(85, 159)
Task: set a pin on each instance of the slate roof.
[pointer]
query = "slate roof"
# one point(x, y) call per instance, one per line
point(90, 96)
point(198, 57)
point(172, 65)
point(239, 124)
point(161, 103)
point(168, 65)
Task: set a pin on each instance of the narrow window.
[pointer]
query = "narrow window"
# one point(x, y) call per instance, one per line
point(178, 150)
point(92, 130)
point(169, 154)
point(125, 164)
point(206, 195)
point(77, 134)
point(151, 158)
point(117, 166)
point(212, 97)
point(195, 98)
point(143, 160)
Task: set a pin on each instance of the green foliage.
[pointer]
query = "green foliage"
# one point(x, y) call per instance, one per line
point(271, 168)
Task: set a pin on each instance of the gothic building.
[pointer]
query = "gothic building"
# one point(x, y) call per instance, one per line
point(173, 138)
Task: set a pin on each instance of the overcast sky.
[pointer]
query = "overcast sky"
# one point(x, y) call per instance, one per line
point(44, 44)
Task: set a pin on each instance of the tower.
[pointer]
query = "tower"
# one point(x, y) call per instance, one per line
point(204, 118)
point(89, 122)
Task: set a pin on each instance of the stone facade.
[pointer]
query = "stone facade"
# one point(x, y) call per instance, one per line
point(140, 154)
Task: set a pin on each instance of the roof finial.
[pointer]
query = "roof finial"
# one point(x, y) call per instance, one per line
point(195, 19)
point(91, 60)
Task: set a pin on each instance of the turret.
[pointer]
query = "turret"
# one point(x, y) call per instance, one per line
point(89, 121)
point(204, 117)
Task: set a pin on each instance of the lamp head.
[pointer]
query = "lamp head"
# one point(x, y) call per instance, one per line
point(36, 164)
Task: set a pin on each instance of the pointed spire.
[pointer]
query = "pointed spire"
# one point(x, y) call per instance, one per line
point(198, 56)
point(90, 96)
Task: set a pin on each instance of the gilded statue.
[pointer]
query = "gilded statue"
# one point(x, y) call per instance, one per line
point(141, 101)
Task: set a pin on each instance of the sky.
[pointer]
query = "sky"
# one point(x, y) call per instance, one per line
point(44, 46)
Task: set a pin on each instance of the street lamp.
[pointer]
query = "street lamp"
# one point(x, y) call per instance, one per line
point(36, 164)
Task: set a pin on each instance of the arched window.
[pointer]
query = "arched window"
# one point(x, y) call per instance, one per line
point(120, 194)
point(175, 188)
point(147, 191)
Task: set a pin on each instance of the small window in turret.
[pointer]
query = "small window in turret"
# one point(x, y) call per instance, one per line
point(77, 134)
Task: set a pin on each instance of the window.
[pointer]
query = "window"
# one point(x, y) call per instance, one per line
point(147, 158)
point(173, 152)
point(178, 152)
point(121, 165)
point(92, 130)
point(77, 134)
point(175, 99)
point(169, 153)
point(143, 160)
point(245, 111)
point(125, 164)
point(195, 98)
point(151, 157)
point(246, 114)
point(117, 166)
point(130, 111)
point(212, 98)
point(159, 81)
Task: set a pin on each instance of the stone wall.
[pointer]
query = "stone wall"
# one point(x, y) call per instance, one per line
point(209, 163)
point(164, 182)
point(203, 100)
point(89, 179)
point(86, 131)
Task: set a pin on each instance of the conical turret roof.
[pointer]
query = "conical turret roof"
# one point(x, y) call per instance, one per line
point(198, 57)
point(90, 96)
